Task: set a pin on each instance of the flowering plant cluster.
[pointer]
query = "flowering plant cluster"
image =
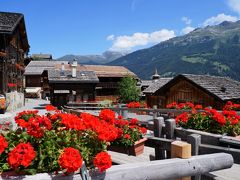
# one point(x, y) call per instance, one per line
point(232, 106)
point(57, 142)
point(128, 132)
point(185, 106)
point(136, 105)
point(211, 120)
point(11, 85)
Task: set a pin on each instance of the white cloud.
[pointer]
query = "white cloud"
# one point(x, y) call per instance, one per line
point(123, 43)
point(187, 30)
point(218, 19)
point(234, 5)
point(110, 37)
point(186, 20)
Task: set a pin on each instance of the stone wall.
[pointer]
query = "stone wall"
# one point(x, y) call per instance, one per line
point(14, 101)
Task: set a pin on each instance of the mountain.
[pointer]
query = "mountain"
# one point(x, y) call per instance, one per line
point(213, 50)
point(106, 57)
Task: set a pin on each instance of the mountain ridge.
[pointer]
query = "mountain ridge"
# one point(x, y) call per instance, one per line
point(213, 50)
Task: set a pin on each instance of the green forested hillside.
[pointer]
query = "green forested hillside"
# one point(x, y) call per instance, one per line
point(211, 50)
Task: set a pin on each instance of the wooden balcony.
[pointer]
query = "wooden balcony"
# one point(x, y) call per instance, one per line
point(107, 85)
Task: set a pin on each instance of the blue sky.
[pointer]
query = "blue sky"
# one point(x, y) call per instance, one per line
point(85, 27)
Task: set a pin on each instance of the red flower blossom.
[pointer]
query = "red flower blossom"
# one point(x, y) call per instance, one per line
point(121, 123)
point(72, 121)
point(143, 130)
point(198, 106)
point(182, 117)
point(172, 105)
point(70, 159)
point(23, 154)
point(3, 144)
point(134, 105)
point(37, 125)
point(127, 136)
point(133, 121)
point(102, 161)
point(50, 108)
point(107, 115)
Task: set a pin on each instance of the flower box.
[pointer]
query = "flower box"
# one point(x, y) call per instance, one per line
point(135, 150)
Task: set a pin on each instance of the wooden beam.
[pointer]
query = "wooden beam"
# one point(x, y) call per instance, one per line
point(167, 169)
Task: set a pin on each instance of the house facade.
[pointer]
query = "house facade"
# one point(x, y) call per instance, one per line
point(53, 76)
point(206, 90)
point(36, 77)
point(71, 83)
point(14, 48)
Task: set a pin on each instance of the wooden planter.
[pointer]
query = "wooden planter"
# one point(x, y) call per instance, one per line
point(134, 150)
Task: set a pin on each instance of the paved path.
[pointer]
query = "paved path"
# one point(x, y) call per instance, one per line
point(30, 104)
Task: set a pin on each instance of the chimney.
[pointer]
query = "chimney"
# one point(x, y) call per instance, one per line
point(62, 67)
point(74, 68)
point(62, 70)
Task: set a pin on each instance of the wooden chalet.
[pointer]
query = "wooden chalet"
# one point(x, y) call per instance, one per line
point(71, 83)
point(206, 90)
point(109, 77)
point(36, 77)
point(14, 48)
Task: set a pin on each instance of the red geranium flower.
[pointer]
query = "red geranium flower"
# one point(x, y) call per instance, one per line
point(50, 107)
point(70, 159)
point(23, 154)
point(102, 161)
point(127, 136)
point(107, 115)
point(3, 144)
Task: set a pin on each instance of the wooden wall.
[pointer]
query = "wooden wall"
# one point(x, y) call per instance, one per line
point(33, 81)
point(183, 91)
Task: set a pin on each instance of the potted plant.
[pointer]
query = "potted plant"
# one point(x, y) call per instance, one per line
point(130, 134)
point(56, 142)
point(211, 120)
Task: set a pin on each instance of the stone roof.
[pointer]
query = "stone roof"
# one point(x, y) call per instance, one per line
point(55, 76)
point(37, 67)
point(146, 82)
point(157, 84)
point(222, 87)
point(9, 21)
point(110, 71)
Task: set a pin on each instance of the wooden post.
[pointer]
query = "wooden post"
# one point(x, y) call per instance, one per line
point(180, 149)
point(158, 124)
point(195, 141)
point(170, 125)
point(154, 112)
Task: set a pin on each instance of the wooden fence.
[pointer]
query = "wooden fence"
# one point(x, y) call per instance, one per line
point(165, 132)
point(166, 169)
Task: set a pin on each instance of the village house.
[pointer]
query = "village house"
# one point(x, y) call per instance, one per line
point(55, 79)
point(109, 77)
point(36, 78)
point(14, 48)
point(206, 90)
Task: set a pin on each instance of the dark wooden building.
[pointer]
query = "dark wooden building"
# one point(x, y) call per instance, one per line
point(14, 48)
point(36, 77)
point(71, 83)
point(109, 77)
point(206, 90)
